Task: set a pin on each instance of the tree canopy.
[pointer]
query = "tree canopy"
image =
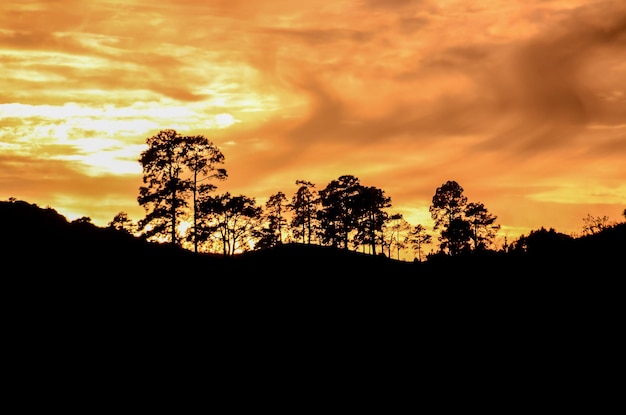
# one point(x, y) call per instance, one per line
point(179, 180)
point(173, 165)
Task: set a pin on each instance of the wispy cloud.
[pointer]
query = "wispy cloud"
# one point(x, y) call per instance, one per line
point(521, 102)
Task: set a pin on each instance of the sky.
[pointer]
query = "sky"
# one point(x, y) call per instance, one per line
point(522, 103)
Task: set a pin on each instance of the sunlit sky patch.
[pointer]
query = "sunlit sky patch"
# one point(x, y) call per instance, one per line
point(523, 103)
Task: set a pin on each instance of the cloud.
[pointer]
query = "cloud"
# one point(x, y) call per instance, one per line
point(546, 86)
point(394, 5)
point(57, 183)
point(501, 96)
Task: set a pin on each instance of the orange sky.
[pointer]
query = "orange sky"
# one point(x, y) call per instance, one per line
point(523, 103)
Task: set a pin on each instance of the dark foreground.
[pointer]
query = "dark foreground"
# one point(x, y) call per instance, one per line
point(117, 316)
point(39, 247)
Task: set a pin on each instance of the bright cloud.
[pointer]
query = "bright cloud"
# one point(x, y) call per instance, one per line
point(521, 102)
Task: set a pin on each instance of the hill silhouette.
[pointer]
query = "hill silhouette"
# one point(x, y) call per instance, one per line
point(47, 242)
point(41, 240)
point(80, 278)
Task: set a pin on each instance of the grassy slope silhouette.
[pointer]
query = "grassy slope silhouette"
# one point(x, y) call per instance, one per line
point(40, 240)
point(67, 280)
point(83, 299)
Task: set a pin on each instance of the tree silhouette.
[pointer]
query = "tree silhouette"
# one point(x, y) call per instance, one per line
point(304, 206)
point(462, 225)
point(272, 234)
point(593, 225)
point(172, 167)
point(386, 237)
point(231, 219)
point(447, 206)
point(394, 234)
point(369, 215)
point(121, 222)
point(82, 220)
point(202, 157)
point(401, 229)
point(456, 237)
point(542, 242)
point(483, 226)
point(162, 197)
point(336, 216)
point(418, 237)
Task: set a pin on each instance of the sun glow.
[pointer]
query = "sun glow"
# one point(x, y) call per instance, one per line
point(403, 94)
point(224, 120)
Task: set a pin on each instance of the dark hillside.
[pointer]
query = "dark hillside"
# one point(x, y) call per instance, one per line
point(40, 242)
point(298, 260)
point(58, 273)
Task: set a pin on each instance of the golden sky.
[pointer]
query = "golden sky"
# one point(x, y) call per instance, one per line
point(523, 103)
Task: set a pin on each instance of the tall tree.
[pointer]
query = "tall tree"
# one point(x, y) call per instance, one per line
point(399, 228)
point(388, 234)
point(484, 228)
point(164, 190)
point(456, 237)
point(304, 206)
point(367, 209)
point(202, 158)
point(173, 166)
point(273, 214)
point(418, 237)
point(447, 206)
point(336, 215)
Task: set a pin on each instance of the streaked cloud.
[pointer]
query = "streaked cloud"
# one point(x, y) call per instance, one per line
point(521, 102)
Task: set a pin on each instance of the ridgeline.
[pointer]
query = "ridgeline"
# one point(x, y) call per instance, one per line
point(40, 241)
